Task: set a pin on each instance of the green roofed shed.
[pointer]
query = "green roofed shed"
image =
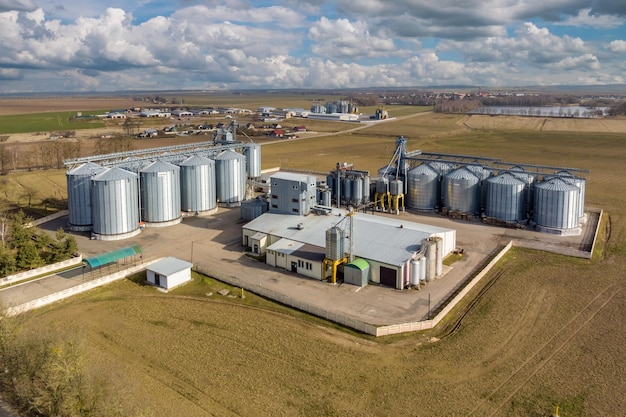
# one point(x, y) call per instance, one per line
point(357, 272)
point(113, 256)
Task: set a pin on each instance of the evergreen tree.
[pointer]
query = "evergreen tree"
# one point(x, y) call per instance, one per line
point(7, 262)
point(27, 256)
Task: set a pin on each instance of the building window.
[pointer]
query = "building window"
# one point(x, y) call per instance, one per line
point(274, 205)
point(275, 196)
point(295, 210)
point(294, 200)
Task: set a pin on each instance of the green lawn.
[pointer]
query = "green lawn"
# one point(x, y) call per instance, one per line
point(47, 122)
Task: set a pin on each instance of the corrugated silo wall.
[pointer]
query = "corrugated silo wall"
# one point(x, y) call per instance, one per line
point(116, 206)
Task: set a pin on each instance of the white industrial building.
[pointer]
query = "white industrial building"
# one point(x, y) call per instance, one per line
point(392, 248)
point(292, 193)
point(168, 273)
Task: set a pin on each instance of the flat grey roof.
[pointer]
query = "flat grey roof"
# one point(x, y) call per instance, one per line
point(168, 266)
point(377, 238)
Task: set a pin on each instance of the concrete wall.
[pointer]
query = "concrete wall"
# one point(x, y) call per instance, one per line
point(41, 271)
point(49, 299)
point(178, 278)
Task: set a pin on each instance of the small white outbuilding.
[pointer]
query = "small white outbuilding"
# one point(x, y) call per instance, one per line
point(168, 273)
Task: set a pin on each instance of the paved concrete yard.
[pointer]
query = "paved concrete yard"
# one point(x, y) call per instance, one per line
point(214, 242)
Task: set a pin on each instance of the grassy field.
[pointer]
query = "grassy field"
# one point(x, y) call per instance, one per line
point(548, 331)
point(46, 122)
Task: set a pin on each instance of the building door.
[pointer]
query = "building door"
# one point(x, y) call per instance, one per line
point(157, 280)
point(294, 266)
point(388, 277)
point(256, 248)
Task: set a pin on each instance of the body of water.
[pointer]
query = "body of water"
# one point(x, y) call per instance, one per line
point(550, 111)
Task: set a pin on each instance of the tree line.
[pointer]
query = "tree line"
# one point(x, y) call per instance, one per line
point(23, 247)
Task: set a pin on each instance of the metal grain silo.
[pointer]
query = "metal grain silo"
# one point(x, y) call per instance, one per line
point(529, 178)
point(230, 173)
point(326, 197)
point(334, 243)
point(424, 188)
point(197, 184)
point(346, 189)
point(441, 167)
point(382, 185)
point(396, 187)
point(160, 193)
point(505, 197)
point(115, 204)
point(252, 152)
point(79, 195)
point(556, 204)
point(430, 250)
point(461, 191)
point(357, 190)
point(366, 189)
point(415, 273)
point(580, 183)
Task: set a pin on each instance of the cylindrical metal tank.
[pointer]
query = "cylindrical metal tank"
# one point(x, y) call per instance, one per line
point(230, 177)
point(366, 189)
point(580, 183)
point(396, 187)
point(197, 184)
point(441, 167)
point(251, 209)
point(529, 178)
point(431, 259)
point(252, 152)
point(461, 191)
point(79, 195)
point(423, 187)
point(386, 171)
point(357, 190)
point(326, 197)
point(505, 197)
point(115, 203)
point(422, 262)
point(415, 273)
point(159, 185)
point(382, 185)
point(346, 189)
point(556, 204)
point(439, 257)
point(334, 243)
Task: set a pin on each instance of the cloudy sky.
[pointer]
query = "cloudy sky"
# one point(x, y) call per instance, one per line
point(92, 45)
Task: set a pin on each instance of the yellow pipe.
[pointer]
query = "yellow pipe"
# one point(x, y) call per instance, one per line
point(333, 264)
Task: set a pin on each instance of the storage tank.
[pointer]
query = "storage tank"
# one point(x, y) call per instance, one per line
point(529, 178)
point(505, 197)
point(357, 190)
point(326, 197)
point(230, 177)
point(79, 195)
point(422, 265)
point(431, 259)
point(556, 204)
point(160, 193)
point(423, 188)
point(580, 183)
point(441, 167)
point(331, 181)
point(396, 187)
point(382, 185)
point(252, 152)
point(346, 189)
point(414, 279)
point(461, 191)
point(366, 190)
point(334, 243)
point(197, 184)
point(115, 204)
point(439, 256)
point(251, 209)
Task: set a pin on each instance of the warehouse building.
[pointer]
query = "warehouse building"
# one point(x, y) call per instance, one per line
point(391, 249)
point(292, 193)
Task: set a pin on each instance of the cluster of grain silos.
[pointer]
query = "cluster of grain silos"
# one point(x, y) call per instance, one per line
point(513, 195)
point(345, 186)
point(115, 202)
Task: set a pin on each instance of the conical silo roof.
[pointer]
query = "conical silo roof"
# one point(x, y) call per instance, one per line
point(159, 166)
point(114, 174)
point(196, 160)
point(229, 154)
point(506, 178)
point(557, 184)
point(88, 168)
